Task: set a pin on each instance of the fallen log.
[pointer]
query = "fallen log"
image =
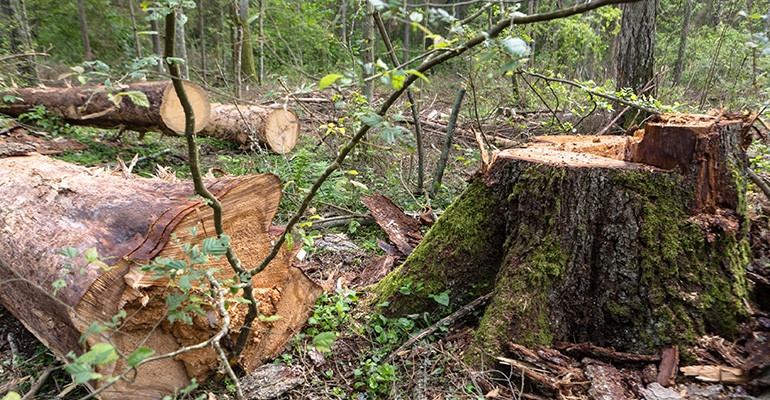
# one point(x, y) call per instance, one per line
point(91, 106)
point(49, 205)
point(633, 243)
point(274, 128)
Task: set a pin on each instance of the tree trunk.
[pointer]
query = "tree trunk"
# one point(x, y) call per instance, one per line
point(84, 31)
point(275, 128)
point(90, 106)
point(246, 126)
point(52, 205)
point(137, 43)
point(248, 68)
point(202, 29)
point(180, 45)
point(635, 47)
point(367, 52)
point(154, 27)
point(579, 244)
point(679, 66)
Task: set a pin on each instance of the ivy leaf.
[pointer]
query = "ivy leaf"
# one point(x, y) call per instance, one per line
point(324, 340)
point(328, 80)
point(139, 355)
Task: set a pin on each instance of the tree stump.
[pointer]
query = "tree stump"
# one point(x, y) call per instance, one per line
point(49, 205)
point(637, 243)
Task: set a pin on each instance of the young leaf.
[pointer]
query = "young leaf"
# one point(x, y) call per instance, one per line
point(138, 356)
point(324, 340)
point(138, 98)
point(91, 254)
point(516, 47)
point(328, 80)
point(441, 298)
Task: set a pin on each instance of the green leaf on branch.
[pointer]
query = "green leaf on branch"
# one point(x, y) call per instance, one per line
point(515, 46)
point(138, 356)
point(328, 80)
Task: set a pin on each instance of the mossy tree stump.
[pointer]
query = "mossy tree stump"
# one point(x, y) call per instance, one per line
point(637, 243)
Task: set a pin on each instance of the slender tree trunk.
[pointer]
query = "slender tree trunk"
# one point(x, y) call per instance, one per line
point(344, 18)
point(683, 42)
point(407, 28)
point(181, 47)
point(248, 69)
point(202, 28)
point(261, 41)
point(24, 43)
point(237, 50)
point(635, 48)
point(154, 27)
point(137, 43)
point(367, 56)
point(84, 31)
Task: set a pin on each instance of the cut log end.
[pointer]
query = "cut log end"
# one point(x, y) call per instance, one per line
point(172, 113)
point(281, 131)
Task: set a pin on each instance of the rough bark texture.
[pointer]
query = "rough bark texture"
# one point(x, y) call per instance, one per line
point(587, 247)
point(49, 205)
point(635, 49)
point(90, 106)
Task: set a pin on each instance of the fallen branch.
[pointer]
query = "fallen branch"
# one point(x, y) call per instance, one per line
point(446, 321)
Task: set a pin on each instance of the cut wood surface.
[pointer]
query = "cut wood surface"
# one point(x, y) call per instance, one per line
point(50, 205)
point(637, 243)
point(276, 129)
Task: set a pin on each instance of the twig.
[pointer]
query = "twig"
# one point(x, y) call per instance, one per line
point(340, 220)
point(450, 130)
point(595, 93)
point(759, 182)
point(8, 57)
point(39, 382)
point(446, 321)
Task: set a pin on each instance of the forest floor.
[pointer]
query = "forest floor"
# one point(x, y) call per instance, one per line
point(366, 360)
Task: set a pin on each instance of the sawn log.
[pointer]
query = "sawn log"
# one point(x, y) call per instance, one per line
point(276, 129)
point(50, 205)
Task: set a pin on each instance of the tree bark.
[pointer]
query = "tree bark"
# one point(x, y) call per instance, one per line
point(84, 32)
point(679, 66)
point(246, 126)
point(248, 68)
point(137, 43)
point(635, 47)
point(181, 47)
point(638, 244)
point(154, 27)
point(90, 106)
point(52, 205)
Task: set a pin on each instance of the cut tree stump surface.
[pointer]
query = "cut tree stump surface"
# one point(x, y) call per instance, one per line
point(581, 242)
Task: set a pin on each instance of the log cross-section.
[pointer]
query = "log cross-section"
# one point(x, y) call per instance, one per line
point(49, 205)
